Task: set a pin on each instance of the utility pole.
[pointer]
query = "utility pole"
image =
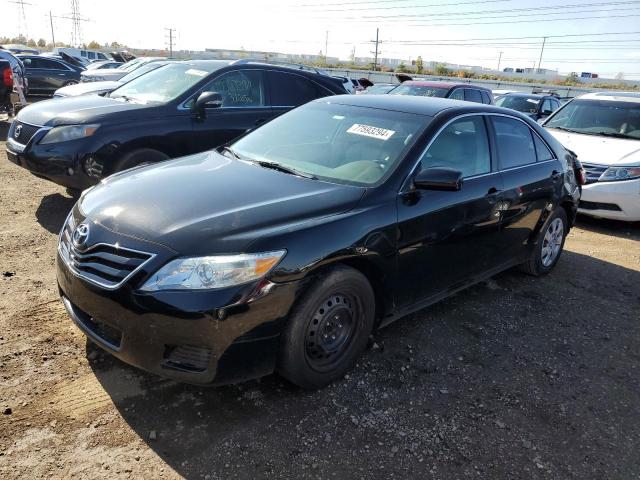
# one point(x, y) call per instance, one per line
point(171, 30)
point(377, 42)
point(499, 58)
point(544, 40)
point(326, 46)
point(53, 37)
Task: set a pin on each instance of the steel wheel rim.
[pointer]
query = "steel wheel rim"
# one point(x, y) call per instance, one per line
point(330, 332)
point(552, 242)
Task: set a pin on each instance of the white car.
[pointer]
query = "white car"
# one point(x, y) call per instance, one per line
point(114, 74)
point(603, 129)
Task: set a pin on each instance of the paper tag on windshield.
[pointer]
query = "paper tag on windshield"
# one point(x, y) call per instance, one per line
point(373, 132)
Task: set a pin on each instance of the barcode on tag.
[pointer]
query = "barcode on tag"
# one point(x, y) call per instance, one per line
point(369, 131)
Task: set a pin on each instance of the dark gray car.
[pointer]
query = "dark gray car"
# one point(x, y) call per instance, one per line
point(46, 75)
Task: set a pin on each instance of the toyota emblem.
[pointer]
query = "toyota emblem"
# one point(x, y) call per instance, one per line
point(80, 235)
point(17, 132)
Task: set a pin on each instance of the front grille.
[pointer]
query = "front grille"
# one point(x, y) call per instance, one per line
point(106, 265)
point(26, 132)
point(189, 358)
point(599, 206)
point(593, 171)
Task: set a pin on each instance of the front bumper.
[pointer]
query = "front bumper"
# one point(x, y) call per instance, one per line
point(613, 200)
point(60, 163)
point(200, 337)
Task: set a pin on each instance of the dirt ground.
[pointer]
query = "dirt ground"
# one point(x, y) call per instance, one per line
point(515, 378)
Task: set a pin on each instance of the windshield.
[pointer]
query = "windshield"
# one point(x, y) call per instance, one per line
point(599, 117)
point(379, 88)
point(166, 84)
point(338, 143)
point(519, 103)
point(141, 71)
point(419, 91)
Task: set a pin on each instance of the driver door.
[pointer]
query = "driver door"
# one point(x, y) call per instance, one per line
point(244, 106)
point(447, 238)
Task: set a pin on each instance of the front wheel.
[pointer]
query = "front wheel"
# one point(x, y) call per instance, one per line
point(549, 245)
point(328, 329)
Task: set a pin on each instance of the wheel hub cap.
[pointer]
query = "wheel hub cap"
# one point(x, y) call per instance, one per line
point(552, 242)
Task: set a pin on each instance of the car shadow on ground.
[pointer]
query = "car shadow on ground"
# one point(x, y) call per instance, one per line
point(5, 123)
point(617, 228)
point(490, 381)
point(53, 210)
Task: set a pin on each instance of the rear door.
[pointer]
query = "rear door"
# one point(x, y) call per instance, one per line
point(53, 74)
point(530, 175)
point(289, 90)
point(244, 106)
point(446, 238)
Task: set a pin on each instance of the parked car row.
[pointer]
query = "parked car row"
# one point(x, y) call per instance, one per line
point(286, 235)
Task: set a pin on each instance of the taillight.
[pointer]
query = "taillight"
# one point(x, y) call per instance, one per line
point(7, 77)
point(582, 176)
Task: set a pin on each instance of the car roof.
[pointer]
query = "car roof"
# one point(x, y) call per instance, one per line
point(435, 84)
point(428, 106)
point(612, 96)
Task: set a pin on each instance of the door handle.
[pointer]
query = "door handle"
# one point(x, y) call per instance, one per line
point(555, 174)
point(493, 191)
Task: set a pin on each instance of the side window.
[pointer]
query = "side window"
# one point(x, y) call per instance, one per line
point(542, 151)
point(49, 64)
point(241, 88)
point(514, 142)
point(472, 95)
point(462, 145)
point(457, 94)
point(556, 104)
point(485, 97)
point(289, 90)
point(547, 106)
point(92, 55)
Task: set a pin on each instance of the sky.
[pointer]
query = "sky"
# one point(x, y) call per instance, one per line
point(583, 35)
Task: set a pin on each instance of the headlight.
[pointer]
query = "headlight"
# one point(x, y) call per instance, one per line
point(68, 132)
point(613, 174)
point(207, 273)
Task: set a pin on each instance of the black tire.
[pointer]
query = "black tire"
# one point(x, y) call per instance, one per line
point(139, 157)
point(339, 309)
point(73, 192)
point(536, 265)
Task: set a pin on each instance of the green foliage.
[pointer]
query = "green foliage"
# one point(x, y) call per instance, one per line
point(93, 45)
point(419, 64)
point(442, 70)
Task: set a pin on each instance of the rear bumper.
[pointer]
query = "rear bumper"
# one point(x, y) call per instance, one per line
point(612, 200)
point(193, 337)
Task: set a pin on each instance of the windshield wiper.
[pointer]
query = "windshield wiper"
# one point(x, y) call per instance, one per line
point(231, 151)
point(612, 134)
point(572, 130)
point(283, 168)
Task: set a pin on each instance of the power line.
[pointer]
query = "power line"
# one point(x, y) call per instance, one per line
point(324, 5)
point(539, 36)
point(417, 18)
point(483, 12)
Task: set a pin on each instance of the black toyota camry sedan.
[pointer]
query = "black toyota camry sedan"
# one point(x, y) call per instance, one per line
point(282, 251)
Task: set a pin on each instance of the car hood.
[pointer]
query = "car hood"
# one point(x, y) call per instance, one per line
point(87, 88)
point(74, 110)
point(598, 149)
point(210, 204)
point(101, 72)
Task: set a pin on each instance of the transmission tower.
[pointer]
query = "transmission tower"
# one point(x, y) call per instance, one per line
point(76, 31)
point(22, 17)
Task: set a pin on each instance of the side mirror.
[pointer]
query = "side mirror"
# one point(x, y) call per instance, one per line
point(546, 113)
point(438, 179)
point(207, 100)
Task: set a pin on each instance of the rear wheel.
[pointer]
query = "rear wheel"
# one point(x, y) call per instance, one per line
point(549, 245)
point(140, 157)
point(328, 329)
